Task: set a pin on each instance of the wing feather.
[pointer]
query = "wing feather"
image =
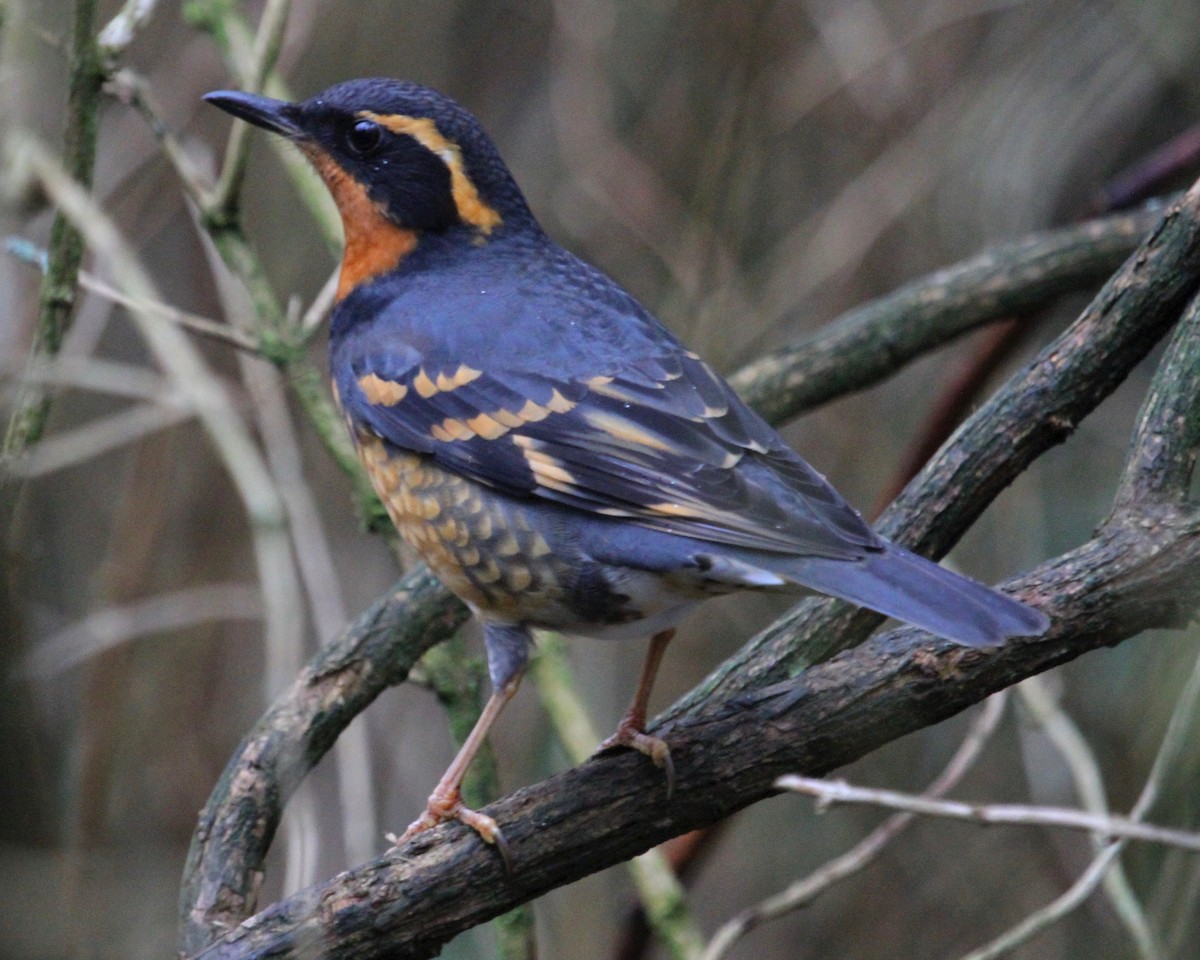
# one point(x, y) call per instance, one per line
point(663, 441)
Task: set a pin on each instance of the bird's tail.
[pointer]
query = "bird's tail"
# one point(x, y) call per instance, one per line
point(908, 587)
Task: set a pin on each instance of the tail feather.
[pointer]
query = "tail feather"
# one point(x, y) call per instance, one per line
point(908, 587)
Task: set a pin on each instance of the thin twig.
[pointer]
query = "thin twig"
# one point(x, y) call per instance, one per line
point(326, 604)
point(189, 321)
point(202, 391)
point(318, 311)
point(805, 891)
point(130, 87)
point(100, 436)
point(56, 301)
point(1039, 920)
point(1066, 737)
point(1149, 174)
point(1179, 730)
point(98, 375)
point(119, 32)
point(268, 40)
point(830, 792)
point(164, 612)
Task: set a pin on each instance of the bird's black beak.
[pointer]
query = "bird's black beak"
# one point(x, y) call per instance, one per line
point(274, 115)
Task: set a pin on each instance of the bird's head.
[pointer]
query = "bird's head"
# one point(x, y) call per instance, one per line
point(400, 160)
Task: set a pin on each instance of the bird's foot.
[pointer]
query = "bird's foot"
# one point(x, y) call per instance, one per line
point(629, 735)
point(448, 805)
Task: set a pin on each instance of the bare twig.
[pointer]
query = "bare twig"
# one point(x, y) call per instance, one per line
point(318, 311)
point(830, 792)
point(1039, 920)
point(57, 297)
point(100, 436)
point(1179, 155)
point(189, 321)
point(1066, 737)
point(132, 88)
point(1179, 729)
point(268, 40)
point(111, 626)
point(119, 32)
point(201, 391)
point(100, 376)
point(805, 891)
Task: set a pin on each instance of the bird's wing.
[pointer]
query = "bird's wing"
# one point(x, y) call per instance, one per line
point(662, 440)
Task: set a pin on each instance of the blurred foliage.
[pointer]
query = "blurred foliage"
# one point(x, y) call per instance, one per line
point(749, 170)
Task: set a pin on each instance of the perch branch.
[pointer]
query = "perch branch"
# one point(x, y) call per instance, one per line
point(1094, 590)
point(410, 902)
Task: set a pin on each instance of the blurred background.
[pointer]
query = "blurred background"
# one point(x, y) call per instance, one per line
point(749, 169)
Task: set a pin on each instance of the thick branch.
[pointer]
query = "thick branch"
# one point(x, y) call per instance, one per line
point(1133, 576)
point(1164, 448)
point(232, 896)
point(225, 863)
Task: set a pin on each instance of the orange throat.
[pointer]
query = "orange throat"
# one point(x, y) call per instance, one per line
point(373, 244)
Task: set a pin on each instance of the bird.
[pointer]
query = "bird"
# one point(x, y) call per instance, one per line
point(558, 458)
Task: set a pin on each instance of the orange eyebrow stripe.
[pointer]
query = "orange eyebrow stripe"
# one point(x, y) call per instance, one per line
point(466, 195)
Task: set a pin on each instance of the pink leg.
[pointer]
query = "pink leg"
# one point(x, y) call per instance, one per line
point(631, 731)
point(445, 803)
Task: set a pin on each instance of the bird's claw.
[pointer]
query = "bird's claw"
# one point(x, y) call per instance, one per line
point(441, 808)
point(656, 748)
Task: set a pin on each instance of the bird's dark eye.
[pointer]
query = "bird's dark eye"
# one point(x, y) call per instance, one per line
point(364, 138)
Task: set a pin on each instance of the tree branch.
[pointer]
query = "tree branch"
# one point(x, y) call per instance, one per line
point(732, 736)
point(1131, 577)
point(225, 863)
point(1037, 409)
point(870, 343)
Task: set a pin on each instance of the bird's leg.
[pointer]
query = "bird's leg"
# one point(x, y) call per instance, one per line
point(445, 803)
point(508, 653)
point(631, 731)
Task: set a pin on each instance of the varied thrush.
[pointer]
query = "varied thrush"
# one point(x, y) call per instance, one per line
point(552, 451)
